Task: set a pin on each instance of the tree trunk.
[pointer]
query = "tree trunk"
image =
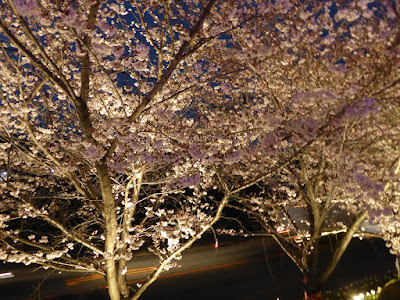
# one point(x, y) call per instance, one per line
point(112, 280)
point(312, 279)
point(313, 287)
point(111, 230)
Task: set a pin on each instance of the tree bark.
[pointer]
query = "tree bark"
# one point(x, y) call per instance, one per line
point(343, 246)
point(111, 230)
point(313, 286)
point(122, 282)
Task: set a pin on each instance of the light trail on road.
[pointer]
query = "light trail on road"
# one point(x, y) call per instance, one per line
point(149, 270)
point(140, 271)
point(193, 271)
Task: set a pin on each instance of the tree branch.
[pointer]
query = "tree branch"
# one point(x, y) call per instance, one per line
point(71, 235)
point(39, 48)
point(186, 245)
point(173, 64)
point(81, 102)
point(343, 246)
point(60, 83)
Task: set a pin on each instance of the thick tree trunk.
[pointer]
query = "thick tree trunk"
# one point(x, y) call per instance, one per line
point(313, 287)
point(112, 280)
point(111, 230)
point(312, 279)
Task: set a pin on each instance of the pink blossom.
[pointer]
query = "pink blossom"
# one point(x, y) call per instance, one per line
point(150, 158)
point(142, 51)
point(157, 145)
point(360, 109)
point(233, 157)
point(71, 19)
point(340, 68)
point(269, 140)
point(196, 152)
point(170, 158)
point(119, 165)
point(92, 152)
point(189, 180)
point(306, 128)
point(26, 8)
point(225, 88)
point(198, 68)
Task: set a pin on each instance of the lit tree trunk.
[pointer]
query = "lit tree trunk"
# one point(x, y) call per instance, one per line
point(130, 202)
point(112, 279)
point(111, 230)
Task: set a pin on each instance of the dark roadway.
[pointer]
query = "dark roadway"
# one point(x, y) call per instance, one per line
point(237, 270)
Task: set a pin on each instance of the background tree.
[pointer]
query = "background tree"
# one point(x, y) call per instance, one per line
point(118, 117)
point(336, 90)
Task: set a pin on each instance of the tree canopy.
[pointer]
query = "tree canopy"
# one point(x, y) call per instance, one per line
point(119, 118)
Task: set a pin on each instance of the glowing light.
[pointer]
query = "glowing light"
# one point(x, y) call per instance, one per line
point(6, 275)
point(333, 232)
point(358, 297)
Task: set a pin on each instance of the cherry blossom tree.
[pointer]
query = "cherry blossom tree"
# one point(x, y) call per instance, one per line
point(104, 145)
point(335, 148)
point(118, 117)
point(322, 191)
point(330, 186)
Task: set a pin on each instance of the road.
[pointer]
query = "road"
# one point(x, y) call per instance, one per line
point(238, 269)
